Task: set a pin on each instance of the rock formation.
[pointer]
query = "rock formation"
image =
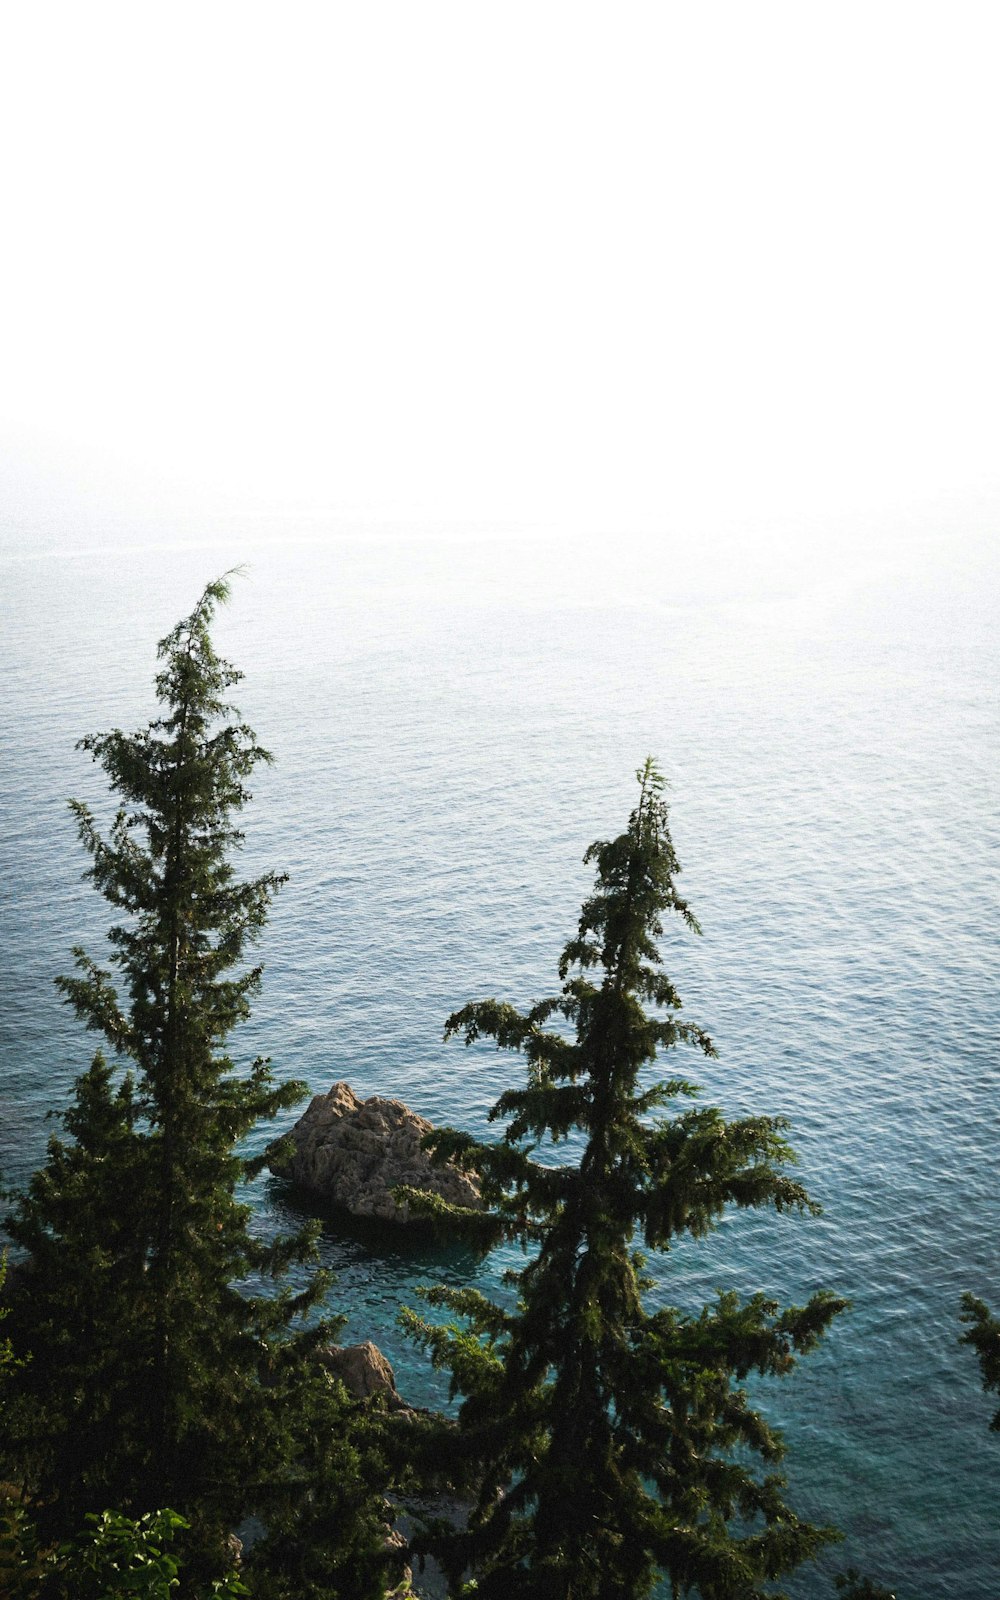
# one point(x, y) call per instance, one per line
point(353, 1153)
point(364, 1371)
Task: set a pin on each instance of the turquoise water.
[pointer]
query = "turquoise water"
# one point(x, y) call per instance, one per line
point(453, 724)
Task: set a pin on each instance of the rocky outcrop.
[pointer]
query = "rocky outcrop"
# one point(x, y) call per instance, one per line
point(353, 1153)
point(364, 1371)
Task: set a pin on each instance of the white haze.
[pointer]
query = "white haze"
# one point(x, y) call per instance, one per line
point(717, 270)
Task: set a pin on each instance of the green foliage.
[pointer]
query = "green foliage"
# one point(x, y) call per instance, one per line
point(157, 1378)
point(8, 1360)
point(78, 1424)
point(115, 1558)
point(24, 1563)
point(614, 1444)
point(322, 1505)
point(983, 1335)
point(121, 1559)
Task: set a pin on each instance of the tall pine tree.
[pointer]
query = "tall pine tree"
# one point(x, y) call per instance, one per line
point(614, 1443)
point(156, 1378)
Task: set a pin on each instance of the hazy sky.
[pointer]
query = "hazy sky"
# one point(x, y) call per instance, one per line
point(617, 266)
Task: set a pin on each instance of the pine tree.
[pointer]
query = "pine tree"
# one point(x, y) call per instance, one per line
point(983, 1334)
point(614, 1443)
point(78, 1424)
point(157, 1379)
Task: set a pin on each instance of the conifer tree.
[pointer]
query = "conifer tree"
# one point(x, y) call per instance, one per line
point(8, 1360)
point(983, 1334)
point(157, 1380)
point(78, 1424)
point(613, 1443)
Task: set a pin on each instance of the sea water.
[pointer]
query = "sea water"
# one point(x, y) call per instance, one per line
point(453, 721)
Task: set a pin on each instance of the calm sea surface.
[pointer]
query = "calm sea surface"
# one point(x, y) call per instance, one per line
point(452, 725)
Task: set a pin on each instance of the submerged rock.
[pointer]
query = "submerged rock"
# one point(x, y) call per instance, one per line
point(353, 1153)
